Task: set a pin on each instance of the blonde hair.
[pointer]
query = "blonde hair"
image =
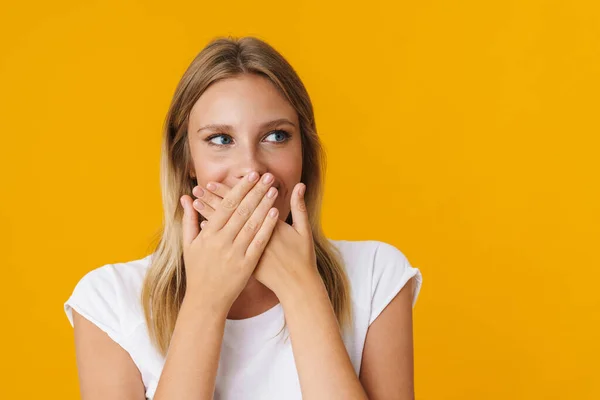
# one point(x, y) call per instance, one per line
point(225, 57)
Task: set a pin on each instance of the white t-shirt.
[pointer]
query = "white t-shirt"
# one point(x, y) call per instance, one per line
point(255, 362)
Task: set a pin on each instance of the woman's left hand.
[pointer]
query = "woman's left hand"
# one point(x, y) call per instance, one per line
point(289, 258)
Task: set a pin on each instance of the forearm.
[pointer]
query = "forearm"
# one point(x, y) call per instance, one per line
point(190, 367)
point(324, 367)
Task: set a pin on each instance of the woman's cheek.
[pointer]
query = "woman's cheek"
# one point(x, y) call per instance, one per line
point(211, 171)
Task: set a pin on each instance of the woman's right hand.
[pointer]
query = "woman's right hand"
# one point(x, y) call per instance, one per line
point(220, 257)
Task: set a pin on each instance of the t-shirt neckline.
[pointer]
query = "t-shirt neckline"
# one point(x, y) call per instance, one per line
point(264, 317)
point(254, 331)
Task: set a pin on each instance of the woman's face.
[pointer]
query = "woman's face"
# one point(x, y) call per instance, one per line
point(247, 138)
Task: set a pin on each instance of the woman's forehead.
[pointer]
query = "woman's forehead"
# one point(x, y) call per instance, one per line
point(242, 104)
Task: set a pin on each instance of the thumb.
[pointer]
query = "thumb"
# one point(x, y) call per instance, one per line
point(189, 221)
point(299, 212)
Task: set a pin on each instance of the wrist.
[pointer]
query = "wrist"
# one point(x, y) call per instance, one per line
point(206, 303)
point(297, 290)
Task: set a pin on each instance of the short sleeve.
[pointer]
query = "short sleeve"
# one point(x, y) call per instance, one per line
point(391, 271)
point(95, 297)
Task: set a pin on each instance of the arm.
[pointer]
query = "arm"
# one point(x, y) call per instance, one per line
point(106, 370)
point(324, 367)
point(386, 371)
point(190, 368)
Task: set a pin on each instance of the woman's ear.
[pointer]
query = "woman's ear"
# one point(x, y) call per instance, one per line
point(192, 177)
point(192, 171)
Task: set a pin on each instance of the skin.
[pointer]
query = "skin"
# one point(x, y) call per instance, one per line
point(387, 370)
point(245, 103)
point(324, 368)
point(322, 362)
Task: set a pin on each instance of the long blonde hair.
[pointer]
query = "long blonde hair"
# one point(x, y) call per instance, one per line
point(225, 57)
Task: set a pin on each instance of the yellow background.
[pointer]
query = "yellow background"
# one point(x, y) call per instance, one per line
point(463, 132)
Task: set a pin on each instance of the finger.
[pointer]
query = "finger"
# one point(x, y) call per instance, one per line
point(246, 207)
point(189, 221)
point(220, 189)
point(299, 213)
point(251, 227)
point(230, 203)
point(204, 209)
point(262, 237)
point(205, 198)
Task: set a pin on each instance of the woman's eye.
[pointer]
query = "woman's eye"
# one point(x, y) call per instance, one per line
point(283, 135)
point(279, 135)
point(210, 140)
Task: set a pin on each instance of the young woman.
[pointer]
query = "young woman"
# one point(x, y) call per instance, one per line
point(242, 264)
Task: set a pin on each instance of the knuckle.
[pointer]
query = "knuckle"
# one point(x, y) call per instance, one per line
point(243, 210)
point(229, 203)
point(302, 206)
point(251, 226)
point(231, 256)
point(258, 242)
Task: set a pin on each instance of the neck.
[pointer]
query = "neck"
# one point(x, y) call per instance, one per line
point(253, 300)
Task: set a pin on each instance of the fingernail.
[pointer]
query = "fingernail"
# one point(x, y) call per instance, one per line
point(253, 176)
point(267, 178)
point(198, 204)
point(181, 201)
point(301, 190)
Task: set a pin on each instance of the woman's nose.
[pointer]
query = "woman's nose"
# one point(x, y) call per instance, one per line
point(251, 163)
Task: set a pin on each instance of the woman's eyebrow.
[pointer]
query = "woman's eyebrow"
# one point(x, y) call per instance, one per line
point(265, 125)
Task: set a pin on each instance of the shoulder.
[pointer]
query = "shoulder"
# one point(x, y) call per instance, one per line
point(356, 254)
point(120, 275)
point(109, 296)
point(372, 256)
point(378, 270)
